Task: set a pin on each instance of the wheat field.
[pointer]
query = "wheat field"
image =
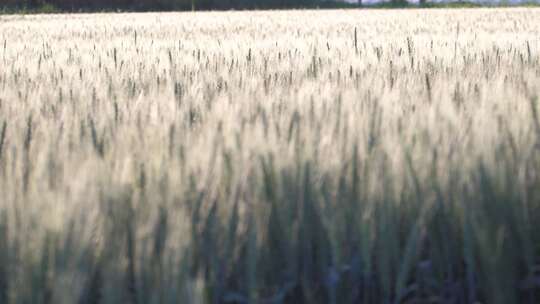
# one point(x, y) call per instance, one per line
point(340, 156)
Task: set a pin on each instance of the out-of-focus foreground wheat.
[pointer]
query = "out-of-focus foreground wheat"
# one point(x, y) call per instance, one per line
point(271, 157)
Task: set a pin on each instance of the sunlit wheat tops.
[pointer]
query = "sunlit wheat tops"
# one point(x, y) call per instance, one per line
point(271, 157)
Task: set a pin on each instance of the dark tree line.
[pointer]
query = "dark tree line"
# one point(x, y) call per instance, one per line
point(75, 5)
point(167, 5)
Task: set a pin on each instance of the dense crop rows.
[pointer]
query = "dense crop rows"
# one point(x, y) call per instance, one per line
point(271, 157)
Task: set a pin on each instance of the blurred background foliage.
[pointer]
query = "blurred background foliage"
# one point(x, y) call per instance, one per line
point(141, 5)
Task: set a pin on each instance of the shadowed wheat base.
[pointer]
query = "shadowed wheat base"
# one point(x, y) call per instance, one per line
point(271, 157)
